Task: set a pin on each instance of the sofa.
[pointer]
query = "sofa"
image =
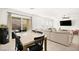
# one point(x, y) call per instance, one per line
point(60, 37)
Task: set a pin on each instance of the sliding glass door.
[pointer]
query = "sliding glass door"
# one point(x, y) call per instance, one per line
point(20, 24)
point(16, 24)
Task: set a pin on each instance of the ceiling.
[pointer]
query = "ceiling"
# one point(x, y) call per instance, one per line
point(50, 12)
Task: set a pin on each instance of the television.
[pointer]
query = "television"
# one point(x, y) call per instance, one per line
point(66, 23)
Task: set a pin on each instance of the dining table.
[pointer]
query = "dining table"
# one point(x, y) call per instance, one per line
point(27, 39)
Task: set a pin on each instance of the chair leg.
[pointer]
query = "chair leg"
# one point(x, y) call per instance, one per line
point(45, 44)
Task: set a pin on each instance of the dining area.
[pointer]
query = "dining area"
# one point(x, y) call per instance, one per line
point(26, 32)
point(22, 35)
point(30, 41)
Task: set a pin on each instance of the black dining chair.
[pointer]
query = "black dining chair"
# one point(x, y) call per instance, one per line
point(38, 44)
point(37, 31)
point(40, 32)
point(34, 31)
point(13, 35)
point(18, 44)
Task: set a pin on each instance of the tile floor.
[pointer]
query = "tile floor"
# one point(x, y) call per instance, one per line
point(57, 47)
point(51, 46)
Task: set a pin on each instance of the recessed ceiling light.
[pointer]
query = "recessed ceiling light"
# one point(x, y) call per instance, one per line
point(32, 8)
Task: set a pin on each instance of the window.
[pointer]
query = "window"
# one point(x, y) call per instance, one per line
point(16, 24)
point(20, 24)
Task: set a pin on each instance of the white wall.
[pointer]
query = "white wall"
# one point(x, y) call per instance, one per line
point(41, 22)
point(74, 17)
point(37, 21)
point(3, 16)
point(55, 14)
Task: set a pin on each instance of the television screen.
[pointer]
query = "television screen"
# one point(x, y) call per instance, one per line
point(65, 23)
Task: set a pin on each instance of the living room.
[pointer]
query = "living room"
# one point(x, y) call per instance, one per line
point(60, 37)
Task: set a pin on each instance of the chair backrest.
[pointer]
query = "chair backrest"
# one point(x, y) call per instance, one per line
point(18, 43)
point(34, 31)
point(40, 32)
point(13, 35)
point(38, 44)
point(39, 40)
